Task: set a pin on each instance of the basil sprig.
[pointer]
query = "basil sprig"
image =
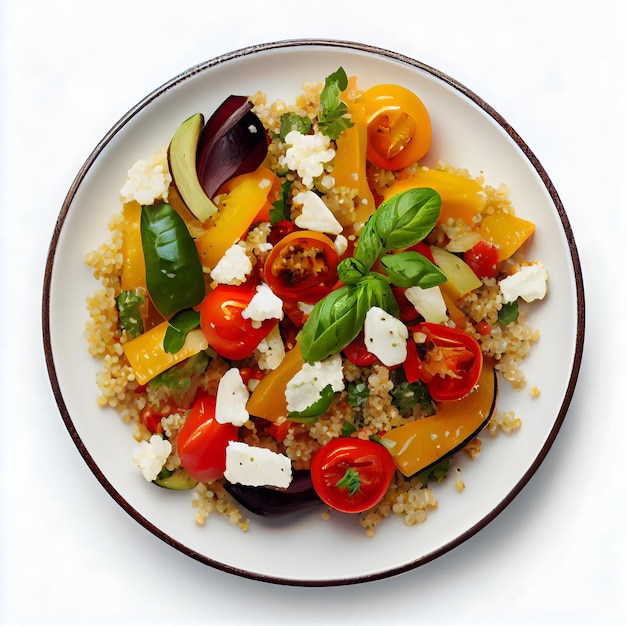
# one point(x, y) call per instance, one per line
point(331, 119)
point(398, 223)
point(178, 329)
point(173, 269)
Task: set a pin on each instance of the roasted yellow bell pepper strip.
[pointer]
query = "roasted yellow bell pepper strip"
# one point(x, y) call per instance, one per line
point(268, 398)
point(350, 165)
point(460, 277)
point(419, 444)
point(148, 358)
point(133, 266)
point(461, 197)
point(507, 232)
point(243, 198)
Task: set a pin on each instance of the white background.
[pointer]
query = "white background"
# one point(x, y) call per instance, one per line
point(554, 69)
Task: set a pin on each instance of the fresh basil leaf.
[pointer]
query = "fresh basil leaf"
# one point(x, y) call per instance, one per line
point(129, 305)
point(332, 324)
point(293, 121)
point(374, 290)
point(369, 245)
point(351, 270)
point(412, 269)
point(280, 208)
point(178, 328)
point(331, 120)
point(406, 218)
point(319, 407)
point(358, 393)
point(173, 269)
point(508, 313)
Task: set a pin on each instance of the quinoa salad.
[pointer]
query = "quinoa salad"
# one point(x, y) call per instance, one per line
point(294, 312)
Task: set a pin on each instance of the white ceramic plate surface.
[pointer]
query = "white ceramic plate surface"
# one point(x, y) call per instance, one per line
point(299, 548)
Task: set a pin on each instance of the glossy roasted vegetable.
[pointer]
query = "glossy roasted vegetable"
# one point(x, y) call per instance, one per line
point(420, 444)
point(173, 270)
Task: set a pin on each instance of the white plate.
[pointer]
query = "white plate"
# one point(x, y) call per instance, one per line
point(303, 549)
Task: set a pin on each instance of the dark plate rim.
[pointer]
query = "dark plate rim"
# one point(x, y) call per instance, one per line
point(367, 49)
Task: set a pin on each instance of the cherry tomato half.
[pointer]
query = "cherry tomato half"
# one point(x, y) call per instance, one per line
point(483, 259)
point(352, 475)
point(302, 267)
point(228, 333)
point(358, 353)
point(202, 441)
point(453, 361)
point(399, 130)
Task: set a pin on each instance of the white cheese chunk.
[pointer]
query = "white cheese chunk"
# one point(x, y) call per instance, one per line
point(256, 467)
point(341, 245)
point(306, 386)
point(233, 267)
point(528, 283)
point(315, 214)
point(232, 397)
point(429, 303)
point(385, 336)
point(151, 456)
point(306, 155)
point(265, 305)
point(271, 350)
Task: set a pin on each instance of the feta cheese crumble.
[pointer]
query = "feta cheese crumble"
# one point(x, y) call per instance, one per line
point(233, 267)
point(147, 180)
point(232, 397)
point(256, 467)
point(429, 303)
point(315, 214)
point(151, 456)
point(385, 336)
point(272, 350)
point(306, 155)
point(528, 283)
point(306, 386)
point(265, 305)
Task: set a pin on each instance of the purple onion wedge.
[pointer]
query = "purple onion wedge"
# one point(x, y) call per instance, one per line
point(233, 142)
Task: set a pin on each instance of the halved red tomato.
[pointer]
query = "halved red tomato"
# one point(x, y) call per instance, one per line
point(302, 267)
point(453, 361)
point(352, 475)
point(227, 331)
point(202, 441)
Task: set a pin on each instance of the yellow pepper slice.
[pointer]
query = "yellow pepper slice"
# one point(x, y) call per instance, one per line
point(244, 197)
point(268, 398)
point(461, 197)
point(508, 232)
point(133, 266)
point(148, 358)
point(421, 443)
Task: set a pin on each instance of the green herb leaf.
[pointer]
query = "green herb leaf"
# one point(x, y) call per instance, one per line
point(508, 313)
point(178, 328)
point(319, 407)
point(331, 120)
point(173, 269)
point(129, 305)
point(358, 393)
point(350, 481)
point(437, 472)
point(347, 429)
point(332, 324)
point(280, 208)
point(406, 396)
point(179, 377)
point(374, 290)
point(351, 270)
point(410, 269)
point(406, 218)
point(293, 121)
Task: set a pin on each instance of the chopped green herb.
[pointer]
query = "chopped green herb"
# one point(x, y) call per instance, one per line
point(129, 305)
point(358, 393)
point(179, 377)
point(406, 396)
point(437, 472)
point(348, 429)
point(293, 121)
point(350, 481)
point(508, 313)
point(280, 209)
